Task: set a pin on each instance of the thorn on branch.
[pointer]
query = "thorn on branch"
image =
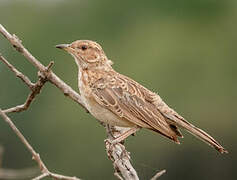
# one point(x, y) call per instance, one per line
point(46, 73)
point(51, 63)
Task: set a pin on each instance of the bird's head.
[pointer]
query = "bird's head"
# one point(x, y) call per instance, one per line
point(86, 53)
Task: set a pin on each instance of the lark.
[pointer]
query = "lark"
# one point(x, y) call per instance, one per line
point(117, 100)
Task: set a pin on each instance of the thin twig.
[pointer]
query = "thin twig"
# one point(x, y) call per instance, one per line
point(55, 176)
point(41, 176)
point(18, 74)
point(35, 88)
point(116, 174)
point(61, 177)
point(35, 155)
point(16, 43)
point(159, 174)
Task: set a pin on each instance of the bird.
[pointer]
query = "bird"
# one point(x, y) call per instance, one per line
point(117, 100)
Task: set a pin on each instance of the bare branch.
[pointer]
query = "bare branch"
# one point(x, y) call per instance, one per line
point(61, 177)
point(119, 155)
point(18, 74)
point(35, 88)
point(41, 176)
point(16, 43)
point(35, 155)
point(116, 174)
point(55, 176)
point(22, 107)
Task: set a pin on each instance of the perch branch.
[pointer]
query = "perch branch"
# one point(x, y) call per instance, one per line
point(35, 155)
point(117, 153)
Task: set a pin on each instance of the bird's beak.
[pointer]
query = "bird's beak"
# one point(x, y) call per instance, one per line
point(63, 46)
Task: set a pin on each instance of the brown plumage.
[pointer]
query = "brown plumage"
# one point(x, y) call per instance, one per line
point(118, 100)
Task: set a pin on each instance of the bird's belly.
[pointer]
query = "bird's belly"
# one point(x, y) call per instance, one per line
point(104, 115)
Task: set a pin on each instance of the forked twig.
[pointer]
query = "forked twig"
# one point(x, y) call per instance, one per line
point(34, 87)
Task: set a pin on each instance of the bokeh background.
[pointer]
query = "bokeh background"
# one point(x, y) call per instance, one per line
point(183, 49)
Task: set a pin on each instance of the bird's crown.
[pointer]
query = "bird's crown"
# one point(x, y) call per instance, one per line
point(86, 53)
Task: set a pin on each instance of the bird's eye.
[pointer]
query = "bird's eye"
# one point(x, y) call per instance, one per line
point(83, 47)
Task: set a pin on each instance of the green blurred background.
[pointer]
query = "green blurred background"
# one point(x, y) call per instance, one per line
point(183, 49)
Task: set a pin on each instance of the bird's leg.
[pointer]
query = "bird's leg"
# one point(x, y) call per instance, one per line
point(119, 139)
point(124, 135)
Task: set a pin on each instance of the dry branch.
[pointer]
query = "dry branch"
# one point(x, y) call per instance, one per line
point(35, 155)
point(18, 74)
point(34, 87)
point(117, 153)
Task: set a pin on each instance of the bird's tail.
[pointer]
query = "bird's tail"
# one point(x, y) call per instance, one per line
point(201, 135)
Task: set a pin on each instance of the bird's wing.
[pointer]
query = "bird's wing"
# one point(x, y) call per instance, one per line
point(125, 98)
point(175, 120)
